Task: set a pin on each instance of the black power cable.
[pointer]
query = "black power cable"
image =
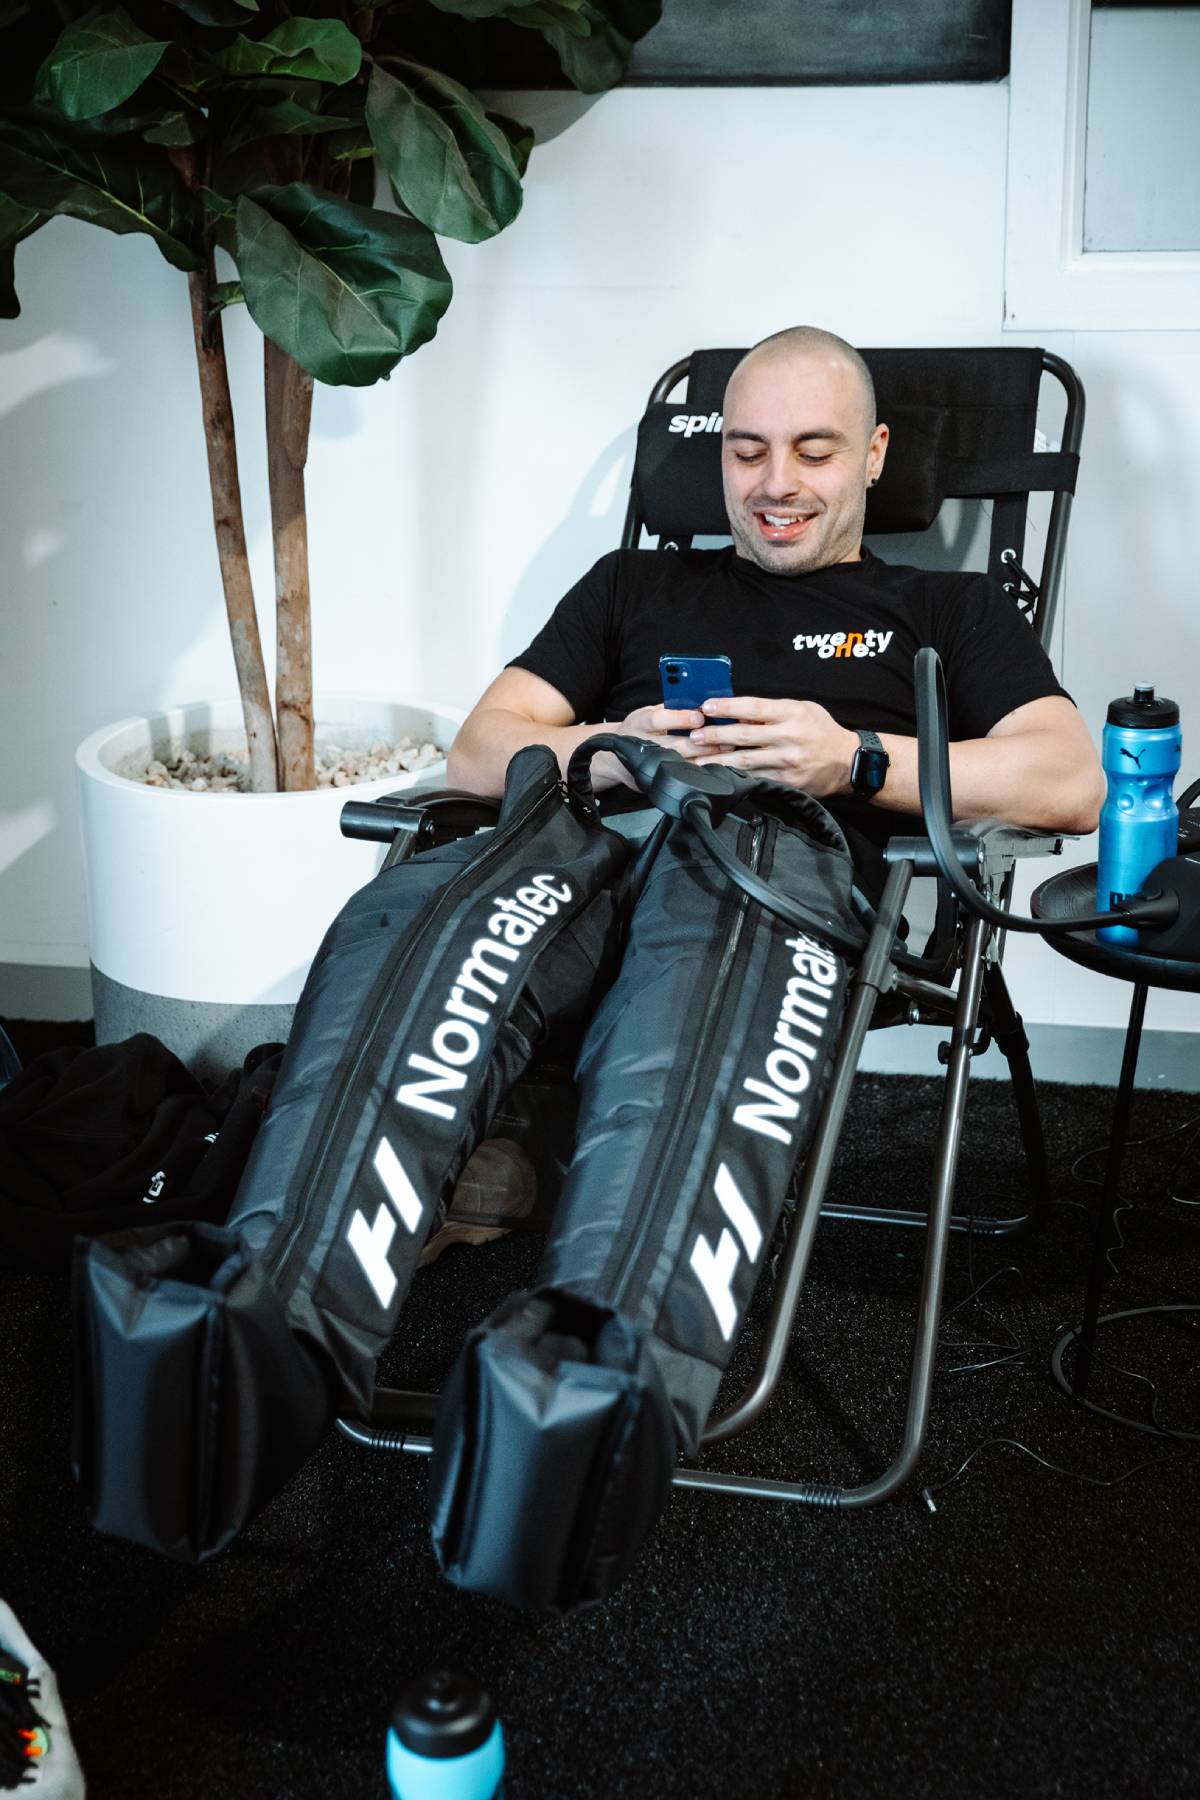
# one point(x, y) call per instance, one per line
point(1031, 1355)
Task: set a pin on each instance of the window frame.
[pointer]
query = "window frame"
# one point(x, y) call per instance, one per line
point(1050, 281)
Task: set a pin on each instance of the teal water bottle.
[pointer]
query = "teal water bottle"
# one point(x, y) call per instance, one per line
point(445, 1741)
point(1139, 824)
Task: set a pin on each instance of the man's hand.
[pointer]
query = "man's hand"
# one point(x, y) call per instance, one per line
point(655, 725)
point(792, 741)
point(519, 708)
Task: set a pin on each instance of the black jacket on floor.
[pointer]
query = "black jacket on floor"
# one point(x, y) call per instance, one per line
point(96, 1139)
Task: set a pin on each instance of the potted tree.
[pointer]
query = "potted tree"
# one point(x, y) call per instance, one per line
point(301, 161)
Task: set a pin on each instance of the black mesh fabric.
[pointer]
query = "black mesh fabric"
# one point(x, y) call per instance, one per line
point(679, 473)
point(962, 423)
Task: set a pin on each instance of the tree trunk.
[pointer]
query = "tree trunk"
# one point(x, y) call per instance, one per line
point(231, 535)
point(289, 414)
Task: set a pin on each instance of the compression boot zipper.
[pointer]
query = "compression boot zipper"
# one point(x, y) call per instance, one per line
point(638, 1260)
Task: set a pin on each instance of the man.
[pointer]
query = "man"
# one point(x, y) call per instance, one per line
point(821, 634)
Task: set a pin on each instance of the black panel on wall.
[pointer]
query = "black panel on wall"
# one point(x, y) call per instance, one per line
point(735, 43)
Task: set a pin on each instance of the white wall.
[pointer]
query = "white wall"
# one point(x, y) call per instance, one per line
point(452, 506)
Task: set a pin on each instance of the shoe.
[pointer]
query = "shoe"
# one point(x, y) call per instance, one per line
point(495, 1194)
point(36, 1752)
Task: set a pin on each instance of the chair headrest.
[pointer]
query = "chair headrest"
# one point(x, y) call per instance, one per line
point(962, 423)
point(679, 472)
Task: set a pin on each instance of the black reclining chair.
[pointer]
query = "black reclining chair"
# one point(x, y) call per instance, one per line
point(964, 425)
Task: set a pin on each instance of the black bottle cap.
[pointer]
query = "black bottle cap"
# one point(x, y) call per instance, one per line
point(443, 1713)
point(1144, 709)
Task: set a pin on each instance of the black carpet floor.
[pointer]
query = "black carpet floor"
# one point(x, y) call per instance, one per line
point(1034, 1631)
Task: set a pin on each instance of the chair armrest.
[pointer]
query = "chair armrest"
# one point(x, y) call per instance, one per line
point(1001, 844)
point(1025, 840)
point(986, 848)
point(428, 815)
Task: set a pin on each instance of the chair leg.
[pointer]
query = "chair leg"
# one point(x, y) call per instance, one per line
point(929, 1304)
point(1008, 1029)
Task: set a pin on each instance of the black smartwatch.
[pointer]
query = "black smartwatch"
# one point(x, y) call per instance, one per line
point(868, 771)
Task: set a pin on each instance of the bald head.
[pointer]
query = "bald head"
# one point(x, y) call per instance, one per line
point(799, 448)
point(803, 342)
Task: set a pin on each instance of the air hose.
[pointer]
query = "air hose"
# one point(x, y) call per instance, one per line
point(701, 796)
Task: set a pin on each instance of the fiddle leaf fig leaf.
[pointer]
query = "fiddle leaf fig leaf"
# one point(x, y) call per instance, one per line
point(174, 129)
point(540, 15)
point(450, 166)
point(10, 306)
point(535, 13)
point(119, 183)
point(345, 289)
point(217, 204)
point(216, 12)
point(313, 49)
point(520, 138)
point(223, 215)
point(353, 147)
point(16, 222)
point(287, 118)
point(188, 71)
point(97, 64)
point(597, 61)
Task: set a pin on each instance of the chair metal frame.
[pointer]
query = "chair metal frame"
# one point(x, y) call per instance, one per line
point(913, 989)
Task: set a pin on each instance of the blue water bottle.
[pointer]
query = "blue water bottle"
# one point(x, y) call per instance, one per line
point(1139, 825)
point(445, 1741)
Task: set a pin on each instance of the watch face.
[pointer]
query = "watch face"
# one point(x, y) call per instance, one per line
point(870, 771)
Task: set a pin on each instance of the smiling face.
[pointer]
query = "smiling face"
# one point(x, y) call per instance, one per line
point(799, 449)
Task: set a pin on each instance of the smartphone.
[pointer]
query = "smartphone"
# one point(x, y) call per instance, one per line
point(689, 680)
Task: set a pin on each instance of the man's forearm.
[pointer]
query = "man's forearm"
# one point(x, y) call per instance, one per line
point(1025, 779)
point(490, 739)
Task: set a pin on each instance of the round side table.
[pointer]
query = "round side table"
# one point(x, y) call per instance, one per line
point(1068, 896)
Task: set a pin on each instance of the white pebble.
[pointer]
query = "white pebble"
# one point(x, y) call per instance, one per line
point(185, 771)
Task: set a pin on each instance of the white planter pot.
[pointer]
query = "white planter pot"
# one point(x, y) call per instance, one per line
point(206, 910)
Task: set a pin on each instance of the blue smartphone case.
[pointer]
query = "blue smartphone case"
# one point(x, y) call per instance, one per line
point(687, 681)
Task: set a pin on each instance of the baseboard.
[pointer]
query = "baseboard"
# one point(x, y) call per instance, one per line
point(1079, 1054)
point(44, 991)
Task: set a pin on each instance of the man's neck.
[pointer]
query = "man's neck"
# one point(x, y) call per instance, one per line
point(856, 555)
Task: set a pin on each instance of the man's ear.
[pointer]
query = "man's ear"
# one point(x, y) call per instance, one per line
point(876, 452)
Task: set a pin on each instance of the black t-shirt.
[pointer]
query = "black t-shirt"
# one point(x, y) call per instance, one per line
point(844, 636)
